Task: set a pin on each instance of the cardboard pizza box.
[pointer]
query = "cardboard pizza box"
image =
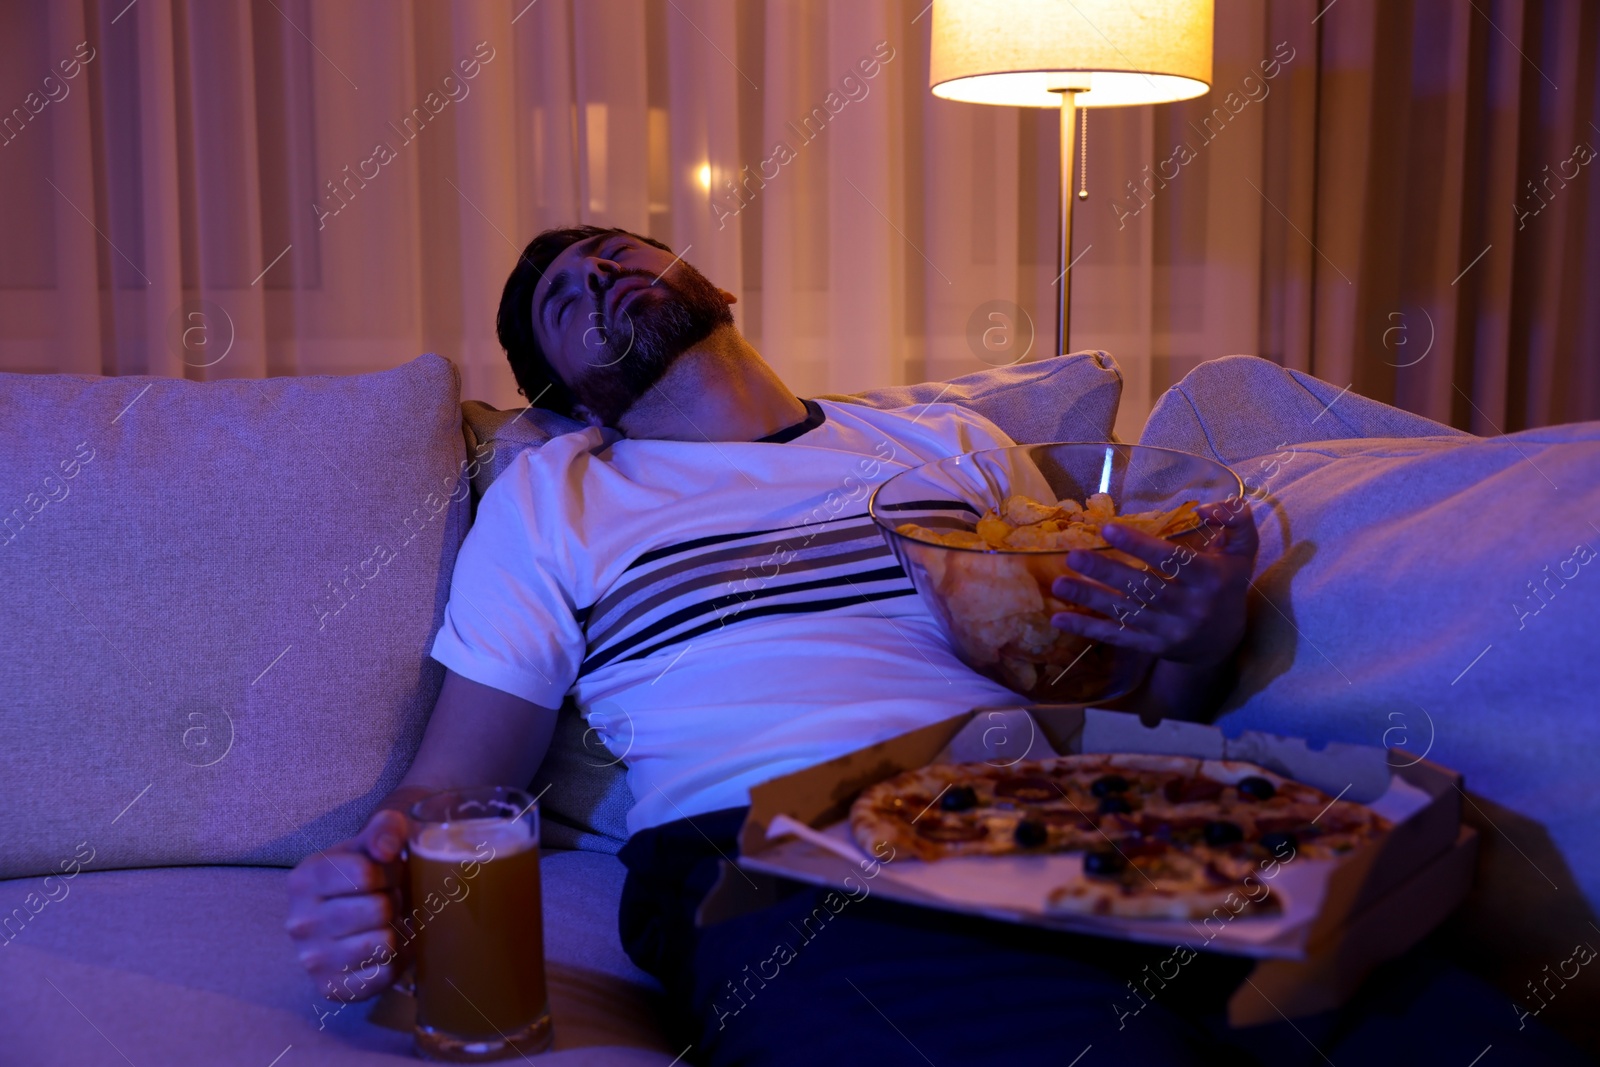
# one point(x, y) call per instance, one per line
point(1379, 900)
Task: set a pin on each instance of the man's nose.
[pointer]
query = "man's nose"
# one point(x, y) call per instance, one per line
point(599, 274)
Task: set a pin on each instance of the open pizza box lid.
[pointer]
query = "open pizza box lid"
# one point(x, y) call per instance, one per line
point(1369, 906)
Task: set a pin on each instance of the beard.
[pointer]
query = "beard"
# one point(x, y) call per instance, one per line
point(629, 355)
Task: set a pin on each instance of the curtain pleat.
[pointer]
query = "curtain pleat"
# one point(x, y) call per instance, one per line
point(156, 215)
point(786, 187)
point(703, 120)
point(75, 340)
point(485, 197)
point(1397, 196)
point(868, 250)
point(220, 171)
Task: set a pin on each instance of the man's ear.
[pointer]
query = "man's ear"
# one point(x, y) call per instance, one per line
point(729, 297)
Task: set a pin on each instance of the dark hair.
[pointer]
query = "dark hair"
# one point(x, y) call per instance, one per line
point(513, 324)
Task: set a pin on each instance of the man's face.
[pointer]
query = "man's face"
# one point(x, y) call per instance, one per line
point(612, 313)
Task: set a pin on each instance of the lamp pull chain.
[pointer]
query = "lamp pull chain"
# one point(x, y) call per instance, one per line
point(1083, 157)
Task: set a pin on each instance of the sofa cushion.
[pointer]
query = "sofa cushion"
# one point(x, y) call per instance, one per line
point(1436, 594)
point(191, 965)
point(497, 436)
point(1242, 406)
point(1072, 397)
point(583, 788)
point(1065, 398)
point(220, 599)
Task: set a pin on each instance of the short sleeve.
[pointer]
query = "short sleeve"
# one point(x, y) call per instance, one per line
point(509, 623)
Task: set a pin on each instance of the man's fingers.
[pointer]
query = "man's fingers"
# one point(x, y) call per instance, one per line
point(1086, 593)
point(359, 952)
point(1098, 566)
point(1109, 631)
point(1128, 614)
point(341, 916)
point(1140, 610)
point(340, 872)
point(1229, 527)
point(354, 967)
point(384, 836)
point(1142, 546)
point(1115, 574)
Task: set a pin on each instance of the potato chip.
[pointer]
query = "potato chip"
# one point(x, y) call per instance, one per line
point(1034, 535)
point(964, 539)
point(1058, 527)
point(998, 599)
point(1022, 511)
point(995, 531)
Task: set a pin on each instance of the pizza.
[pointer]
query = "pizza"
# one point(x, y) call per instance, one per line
point(1160, 836)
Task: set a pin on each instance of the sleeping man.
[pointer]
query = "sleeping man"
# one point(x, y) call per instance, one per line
point(697, 571)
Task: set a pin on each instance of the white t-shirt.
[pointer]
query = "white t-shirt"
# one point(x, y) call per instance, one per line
point(722, 613)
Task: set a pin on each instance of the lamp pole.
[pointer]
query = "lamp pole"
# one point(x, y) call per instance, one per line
point(1069, 111)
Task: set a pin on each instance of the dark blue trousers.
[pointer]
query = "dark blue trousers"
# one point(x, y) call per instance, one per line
point(829, 977)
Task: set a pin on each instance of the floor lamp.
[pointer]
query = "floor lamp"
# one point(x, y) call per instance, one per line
point(1070, 54)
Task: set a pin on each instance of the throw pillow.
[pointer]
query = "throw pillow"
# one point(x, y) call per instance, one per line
point(1434, 593)
point(220, 601)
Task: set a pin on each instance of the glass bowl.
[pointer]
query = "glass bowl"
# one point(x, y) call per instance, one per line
point(995, 604)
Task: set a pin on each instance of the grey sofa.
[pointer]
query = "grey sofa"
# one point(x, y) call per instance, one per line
point(220, 596)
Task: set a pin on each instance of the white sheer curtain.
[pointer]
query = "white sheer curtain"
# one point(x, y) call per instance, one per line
point(332, 186)
point(206, 143)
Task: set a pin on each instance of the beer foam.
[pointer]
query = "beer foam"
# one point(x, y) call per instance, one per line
point(464, 840)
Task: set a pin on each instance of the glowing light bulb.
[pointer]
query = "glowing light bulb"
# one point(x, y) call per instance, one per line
point(703, 175)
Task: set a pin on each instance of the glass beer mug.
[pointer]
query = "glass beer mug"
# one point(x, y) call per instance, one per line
point(476, 909)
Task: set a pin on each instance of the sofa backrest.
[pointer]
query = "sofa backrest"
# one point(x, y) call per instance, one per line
point(220, 599)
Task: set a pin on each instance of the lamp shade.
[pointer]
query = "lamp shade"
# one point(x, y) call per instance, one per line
point(1115, 52)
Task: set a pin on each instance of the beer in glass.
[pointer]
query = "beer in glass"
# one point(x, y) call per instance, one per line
point(475, 911)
